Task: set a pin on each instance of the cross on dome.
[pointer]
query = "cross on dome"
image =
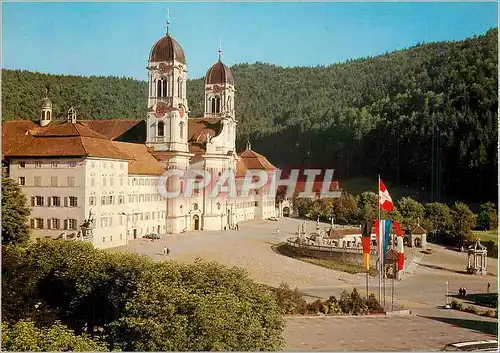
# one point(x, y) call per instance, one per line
point(168, 20)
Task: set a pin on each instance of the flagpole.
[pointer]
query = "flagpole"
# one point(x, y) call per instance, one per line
point(393, 270)
point(380, 255)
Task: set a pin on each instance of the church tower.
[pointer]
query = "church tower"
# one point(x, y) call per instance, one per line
point(219, 100)
point(46, 112)
point(167, 122)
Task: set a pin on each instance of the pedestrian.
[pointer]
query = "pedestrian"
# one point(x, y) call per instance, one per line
point(165, 250)
point(224, 227)
point(168, 251)
point(488, 287)
point(237, 226)
point(460, 292)
point(465, 292)
point(278, 231)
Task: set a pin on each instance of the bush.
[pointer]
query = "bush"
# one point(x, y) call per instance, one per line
point(25, 337)
point(470, 309)
point(353, 304)
point(290, 301)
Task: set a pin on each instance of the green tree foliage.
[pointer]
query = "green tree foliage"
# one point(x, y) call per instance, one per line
point(487, 217)
point(438, 216)
point(463, 221)
point(24, 336)
point(134, 303)
point(393, 114)
point(411, 212)
point(15, 212)
point(367, 206)
point(345, 209)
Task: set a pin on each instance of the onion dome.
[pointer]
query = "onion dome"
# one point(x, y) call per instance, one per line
point(167, 49)
point(219, 74)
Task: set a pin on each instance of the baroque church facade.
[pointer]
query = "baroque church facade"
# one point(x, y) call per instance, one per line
point(99, 180)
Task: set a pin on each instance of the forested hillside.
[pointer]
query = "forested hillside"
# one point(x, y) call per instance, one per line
point(425, 116)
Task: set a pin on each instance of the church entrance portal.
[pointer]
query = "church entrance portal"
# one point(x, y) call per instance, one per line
point(196, 220)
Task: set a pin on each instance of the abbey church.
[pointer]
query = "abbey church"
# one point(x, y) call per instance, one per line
point(98, 180)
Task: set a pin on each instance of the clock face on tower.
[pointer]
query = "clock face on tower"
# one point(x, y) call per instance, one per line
point(161, 109)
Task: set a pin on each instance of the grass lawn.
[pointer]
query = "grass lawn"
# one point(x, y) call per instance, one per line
point(356, 186)
point(283, 249)
point(487, 235)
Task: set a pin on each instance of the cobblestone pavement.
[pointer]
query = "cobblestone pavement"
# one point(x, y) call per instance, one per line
point(423, 291)
point(378, 333)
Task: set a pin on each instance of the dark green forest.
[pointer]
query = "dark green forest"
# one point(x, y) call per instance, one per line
point(424, 117)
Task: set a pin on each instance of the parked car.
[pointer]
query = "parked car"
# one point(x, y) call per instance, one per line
point(473, 346)
point(152, 236)
point(272, 219)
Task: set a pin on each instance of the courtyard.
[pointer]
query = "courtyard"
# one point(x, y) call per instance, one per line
point(422, 291)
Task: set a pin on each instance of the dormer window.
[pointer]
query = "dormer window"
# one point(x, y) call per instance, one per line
point(179, 87)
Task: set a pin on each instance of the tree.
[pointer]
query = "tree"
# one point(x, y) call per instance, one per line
point(487, 217)
point(24, 336)
point(412, 212)
point(438, 217)
point(463, 221)
point(15, 214)
point(345, 209)
point(368, 206)
point(134, 303)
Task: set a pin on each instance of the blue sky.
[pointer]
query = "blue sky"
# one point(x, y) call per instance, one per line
point(115, 38)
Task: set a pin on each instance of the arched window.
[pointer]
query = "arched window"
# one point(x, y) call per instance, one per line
point(179, 87)
point(181, 130)
point(43, 115)
point(218, 205)
point(161, 128)
point(158, 88)
point(217, 105)
point(213, 105)
point(229, 102)
point(195, 206)
point(164, 88)
point(48, 116)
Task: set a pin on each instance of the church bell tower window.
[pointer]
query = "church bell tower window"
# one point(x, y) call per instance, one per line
point(161, 128)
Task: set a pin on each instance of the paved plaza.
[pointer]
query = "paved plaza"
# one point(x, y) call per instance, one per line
point(422, 291)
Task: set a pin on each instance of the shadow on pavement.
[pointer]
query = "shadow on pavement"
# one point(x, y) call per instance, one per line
point(482, 326)
point(442, 268)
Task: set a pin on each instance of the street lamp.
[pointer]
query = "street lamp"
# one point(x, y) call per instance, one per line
point(447, 306)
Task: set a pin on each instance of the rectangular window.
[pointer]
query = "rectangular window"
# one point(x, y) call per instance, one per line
point(72, 224)
point(71, 182)
point(55, 164)
point(53, 181)
point(73, 201)
point(110, 221)
point(110, 200)
point(112, 165)
point(38, 181)
point(39, 201)
point(56, 201)
point(121, 181)
point(256, 204)
point(152, 215)
point(22, 181)
point(129, 198)
point(103, 239)
point(39, 223)
point(72, 164)
point(121, 220)
point(141, 216)
point(38, 164)
point(103, 181)
point(103, 200)
point(104, 164)
point(92, 201)
point(92, 165)
point(110, 238)
point(121, 199)
point(56, 223)
point(121, 165)
point(22, 164)
point(111, 181)
point(92, 182)
point(104, 222)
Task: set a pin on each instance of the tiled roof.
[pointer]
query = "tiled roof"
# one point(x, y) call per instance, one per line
point(241, 169)
point(254, 160)
point(219, 74)
point(198, 129)
point(167, 49)
point(141, 161)
point(26, 139)
point(111, 128)
point(418, 230)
